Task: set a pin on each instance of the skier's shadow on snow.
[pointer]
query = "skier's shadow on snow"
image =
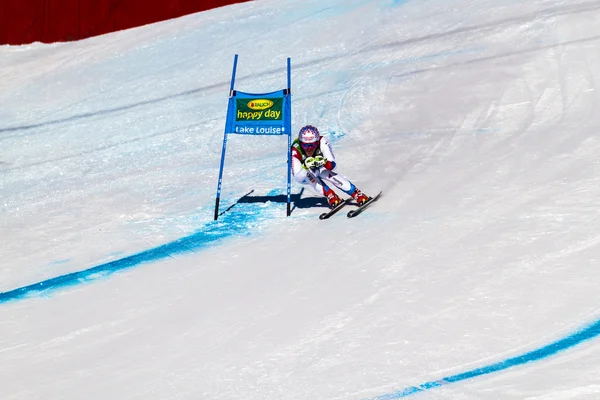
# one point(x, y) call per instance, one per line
point(296, 200)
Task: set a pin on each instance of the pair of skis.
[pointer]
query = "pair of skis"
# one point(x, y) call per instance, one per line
point(352, 213)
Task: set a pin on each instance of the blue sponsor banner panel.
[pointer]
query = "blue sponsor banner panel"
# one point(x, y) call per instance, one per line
point(259, 114)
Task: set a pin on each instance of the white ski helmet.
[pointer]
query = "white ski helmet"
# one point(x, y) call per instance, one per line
point(309, 134)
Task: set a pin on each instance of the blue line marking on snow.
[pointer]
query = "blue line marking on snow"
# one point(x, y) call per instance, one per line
point(551, 349)
point(235, 223)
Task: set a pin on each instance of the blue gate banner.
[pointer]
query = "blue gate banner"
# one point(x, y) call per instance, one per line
point(259, 114)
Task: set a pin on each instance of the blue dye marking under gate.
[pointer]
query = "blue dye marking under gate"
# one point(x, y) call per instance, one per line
point(234, 224)
point(551, 349)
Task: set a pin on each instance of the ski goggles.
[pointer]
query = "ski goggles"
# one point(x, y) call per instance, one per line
point(309, 146)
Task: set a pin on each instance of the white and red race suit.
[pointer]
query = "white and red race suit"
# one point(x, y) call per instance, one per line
point(318, 177)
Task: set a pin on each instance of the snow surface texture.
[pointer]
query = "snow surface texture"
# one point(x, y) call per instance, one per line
point(474, 277)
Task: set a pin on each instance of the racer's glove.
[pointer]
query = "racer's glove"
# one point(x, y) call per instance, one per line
point(319, 161)
point(310, 163)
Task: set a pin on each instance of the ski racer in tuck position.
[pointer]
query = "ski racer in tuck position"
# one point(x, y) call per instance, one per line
point(313, 163)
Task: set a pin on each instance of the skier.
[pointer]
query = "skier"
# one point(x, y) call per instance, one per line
point(313, 163)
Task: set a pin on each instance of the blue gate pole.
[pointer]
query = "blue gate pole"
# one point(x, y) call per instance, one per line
point(229, 105)
point(289, 179)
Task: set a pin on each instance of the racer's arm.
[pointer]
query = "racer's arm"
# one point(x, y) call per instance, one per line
point(327, 152)
point(297, 165)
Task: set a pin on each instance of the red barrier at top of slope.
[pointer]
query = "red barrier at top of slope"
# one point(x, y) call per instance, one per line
point(27, 21)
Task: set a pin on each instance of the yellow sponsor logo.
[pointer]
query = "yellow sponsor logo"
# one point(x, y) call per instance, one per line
point(260, 104)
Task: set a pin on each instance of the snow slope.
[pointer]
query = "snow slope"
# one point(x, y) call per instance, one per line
point(479, 264)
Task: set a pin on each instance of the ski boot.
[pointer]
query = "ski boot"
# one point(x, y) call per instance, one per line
point(360, 197)
point(332, 198)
